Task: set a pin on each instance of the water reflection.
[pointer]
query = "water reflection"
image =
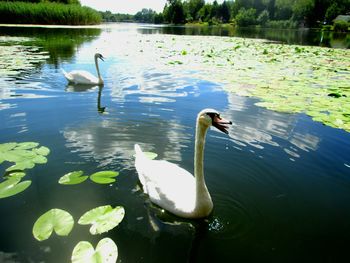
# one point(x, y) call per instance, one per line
point(263, 127)
point(60, 43)
point(313, 37)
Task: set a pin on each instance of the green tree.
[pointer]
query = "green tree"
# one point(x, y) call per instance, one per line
point(246, 17)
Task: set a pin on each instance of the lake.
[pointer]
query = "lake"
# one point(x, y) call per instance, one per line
point(280, 182)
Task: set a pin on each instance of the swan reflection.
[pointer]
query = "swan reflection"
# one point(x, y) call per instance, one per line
point(88, 88)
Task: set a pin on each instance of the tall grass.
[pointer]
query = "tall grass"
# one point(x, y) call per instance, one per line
point(47, 13)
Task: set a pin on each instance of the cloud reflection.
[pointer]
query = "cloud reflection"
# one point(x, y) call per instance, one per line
point(258, 127)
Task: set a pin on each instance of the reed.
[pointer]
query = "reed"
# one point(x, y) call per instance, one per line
point(47, 13)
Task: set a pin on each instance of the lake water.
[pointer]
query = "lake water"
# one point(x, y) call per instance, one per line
point(280, 182)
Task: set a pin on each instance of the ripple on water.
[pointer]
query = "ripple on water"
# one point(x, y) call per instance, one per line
point(231, 219)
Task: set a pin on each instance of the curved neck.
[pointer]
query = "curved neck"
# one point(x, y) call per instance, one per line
point(201, 188)
point(98, 71)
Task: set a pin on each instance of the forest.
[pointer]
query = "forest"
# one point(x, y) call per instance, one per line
point(272, 13)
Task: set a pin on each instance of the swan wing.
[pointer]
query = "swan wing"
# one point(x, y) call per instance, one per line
point(168, 185)
point(81, 77)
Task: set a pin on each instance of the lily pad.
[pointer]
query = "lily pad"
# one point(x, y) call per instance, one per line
point(56, 220)
point(25, 155)
point(102, 218)
point(73, 178)
point(104, 177)
point(106, 252)
point(13, 186)
point(151, 155)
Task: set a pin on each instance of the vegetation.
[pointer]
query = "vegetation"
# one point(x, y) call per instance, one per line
point(253, 12)
point(60, 12)
point(267, 13)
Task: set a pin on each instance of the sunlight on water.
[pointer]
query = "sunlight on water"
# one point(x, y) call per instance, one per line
point(277, 180)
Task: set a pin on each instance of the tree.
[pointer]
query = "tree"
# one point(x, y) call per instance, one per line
point(246, 17)
point(224, 12)
point(263, 17)
point(174, 12)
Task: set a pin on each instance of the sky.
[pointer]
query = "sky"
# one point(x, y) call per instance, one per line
point(126, 6)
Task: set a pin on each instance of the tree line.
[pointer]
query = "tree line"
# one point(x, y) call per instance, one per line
point(289, 13)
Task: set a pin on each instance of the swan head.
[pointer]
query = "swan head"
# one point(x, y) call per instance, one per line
point(211, 117)
point(98, 55)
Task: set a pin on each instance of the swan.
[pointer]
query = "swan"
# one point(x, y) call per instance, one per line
point(85, 77)
point(172, 187)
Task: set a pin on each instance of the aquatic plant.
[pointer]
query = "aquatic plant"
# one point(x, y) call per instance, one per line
point(25, 155)
point(106, 251)
point(57, 220)
point(286, 78)
point(102, 218)
point(76, 177)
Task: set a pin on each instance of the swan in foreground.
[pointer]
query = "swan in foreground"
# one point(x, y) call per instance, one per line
point(172, 187)
point(85, 77)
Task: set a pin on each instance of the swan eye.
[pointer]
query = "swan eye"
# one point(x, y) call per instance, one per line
point(212, 115)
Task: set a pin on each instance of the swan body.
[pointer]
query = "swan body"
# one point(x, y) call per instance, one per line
point(85, 77)
point(172, 187)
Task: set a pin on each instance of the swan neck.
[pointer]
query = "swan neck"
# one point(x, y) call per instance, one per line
point(98, 71)
point(199, 158)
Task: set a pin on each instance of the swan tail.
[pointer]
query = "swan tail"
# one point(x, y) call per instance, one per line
point(138, 150)
point(66, 75)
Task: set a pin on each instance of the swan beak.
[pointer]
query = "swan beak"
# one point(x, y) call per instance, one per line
point(221, 124)
point(102, 58)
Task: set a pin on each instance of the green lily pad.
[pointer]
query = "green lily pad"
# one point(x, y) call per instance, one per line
point(102, 218)
point(21, 166)
point(25, 155)
point(18, 175)
point(104, 177)
point(26, 145)
point(72, 178)
point(106, 252)
point(151, 155)
point(56, 220)
point(44, 151)
point(13, 186)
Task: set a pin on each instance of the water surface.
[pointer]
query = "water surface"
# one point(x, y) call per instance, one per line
point(279, 182)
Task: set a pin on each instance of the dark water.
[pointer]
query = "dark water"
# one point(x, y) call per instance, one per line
point(280, 183)
point(313, 37)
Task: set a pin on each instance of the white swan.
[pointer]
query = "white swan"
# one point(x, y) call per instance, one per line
point(85, 77)
point(172, 187)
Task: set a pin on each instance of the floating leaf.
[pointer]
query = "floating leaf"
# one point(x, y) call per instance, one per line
point(102, 218)
point(25, 155)
point(42, 150)
point(151, 155)
point(26, 145)
point(21, 166)
point(5, 147)
point(18, 175)
point(106, 252)
point(13, 186)
point(104, 177)
point(73, 178)
point(56, 220)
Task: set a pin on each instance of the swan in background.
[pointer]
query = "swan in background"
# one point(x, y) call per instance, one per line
point(172, 187)
point(85, 77)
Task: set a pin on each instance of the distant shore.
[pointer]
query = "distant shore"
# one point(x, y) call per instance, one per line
point(47, 13)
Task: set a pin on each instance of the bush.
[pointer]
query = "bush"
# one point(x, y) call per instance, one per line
point(47, 13)
point(282, 24)
point(341, 26)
